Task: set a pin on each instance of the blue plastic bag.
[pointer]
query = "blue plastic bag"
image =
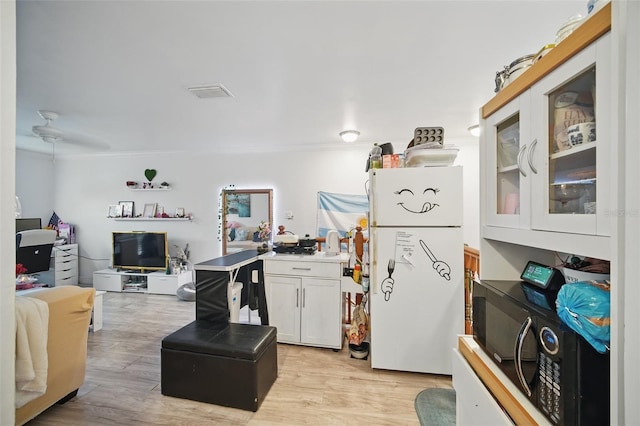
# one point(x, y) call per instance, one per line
point(585, 307)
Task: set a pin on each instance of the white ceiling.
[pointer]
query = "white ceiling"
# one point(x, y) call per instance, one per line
point(300, 71)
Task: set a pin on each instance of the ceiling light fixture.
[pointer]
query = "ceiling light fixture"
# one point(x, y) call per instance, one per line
point(211, 91)
point(474, 130)
point(349, 135)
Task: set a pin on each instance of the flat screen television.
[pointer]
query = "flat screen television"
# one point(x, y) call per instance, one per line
point(27, 223)
point(140, 250)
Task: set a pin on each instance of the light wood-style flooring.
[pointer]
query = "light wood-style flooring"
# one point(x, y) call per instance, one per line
point(314, 386)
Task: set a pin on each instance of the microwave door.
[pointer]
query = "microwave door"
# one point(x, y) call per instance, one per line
point(524, 359)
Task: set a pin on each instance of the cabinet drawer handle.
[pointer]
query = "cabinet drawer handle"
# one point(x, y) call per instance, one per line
point(530, 156)
point(520, 153)
point(301, 269)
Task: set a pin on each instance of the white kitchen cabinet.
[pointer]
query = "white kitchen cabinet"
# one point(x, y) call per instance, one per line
point(304, 299)
point(475, 405)
point(611, 232)
point(65, 259)
point(575, 181)
point(541, 174)
point(507, 133)
point(484, 394)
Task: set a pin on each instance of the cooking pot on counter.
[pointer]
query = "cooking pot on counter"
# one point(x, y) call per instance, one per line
point(307, 241)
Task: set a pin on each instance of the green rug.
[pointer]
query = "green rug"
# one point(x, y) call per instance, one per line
point(436, 407)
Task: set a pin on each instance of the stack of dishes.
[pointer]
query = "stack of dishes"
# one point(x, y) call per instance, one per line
point(568, 27)
point(425, 156)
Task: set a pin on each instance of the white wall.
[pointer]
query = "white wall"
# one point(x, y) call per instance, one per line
point(7, 209)
point(35, 183)
point(85, 187)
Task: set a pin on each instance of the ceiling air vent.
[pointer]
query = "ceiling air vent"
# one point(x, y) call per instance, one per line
point(212, 91)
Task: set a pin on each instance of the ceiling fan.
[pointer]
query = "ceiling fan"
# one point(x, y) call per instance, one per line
point(49, 133)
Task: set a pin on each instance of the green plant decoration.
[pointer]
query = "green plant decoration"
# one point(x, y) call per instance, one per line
point(150, 174)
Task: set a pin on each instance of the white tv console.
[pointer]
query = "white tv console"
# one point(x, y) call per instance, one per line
point(138, 282)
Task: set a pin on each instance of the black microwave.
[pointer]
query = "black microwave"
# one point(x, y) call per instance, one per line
point(555, 368)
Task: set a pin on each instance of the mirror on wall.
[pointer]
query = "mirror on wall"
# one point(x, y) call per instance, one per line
point(242, 212)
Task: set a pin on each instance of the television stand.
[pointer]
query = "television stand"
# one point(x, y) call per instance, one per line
point(140, 282)
point(134, 271)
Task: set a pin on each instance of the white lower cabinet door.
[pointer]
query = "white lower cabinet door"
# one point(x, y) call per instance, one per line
point(284, 296)
point(320, 313)
point(474, 403)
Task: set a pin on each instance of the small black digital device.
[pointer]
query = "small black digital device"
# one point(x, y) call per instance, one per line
point(542, 276)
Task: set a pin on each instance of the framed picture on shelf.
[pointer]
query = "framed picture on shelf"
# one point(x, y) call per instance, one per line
point(127, 208)
point(149, 210)
point(180, 212)
point(115, 210)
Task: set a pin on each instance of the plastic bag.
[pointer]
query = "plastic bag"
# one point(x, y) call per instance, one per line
point(359, 325)
point(585, 307)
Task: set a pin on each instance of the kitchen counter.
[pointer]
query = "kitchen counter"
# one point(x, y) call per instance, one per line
point(305, 294)
point(347, 285)
point(215, 279)
point(317, 257)
point(229, 262)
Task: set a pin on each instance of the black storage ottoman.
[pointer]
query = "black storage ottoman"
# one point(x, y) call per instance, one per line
point(220, 363)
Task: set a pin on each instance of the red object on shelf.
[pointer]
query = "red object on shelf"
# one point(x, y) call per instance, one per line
point(20, 269)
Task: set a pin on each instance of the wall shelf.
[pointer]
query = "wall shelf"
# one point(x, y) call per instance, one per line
point(150, 189)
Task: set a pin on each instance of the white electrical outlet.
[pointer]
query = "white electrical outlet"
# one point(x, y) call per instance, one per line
point(288, 214)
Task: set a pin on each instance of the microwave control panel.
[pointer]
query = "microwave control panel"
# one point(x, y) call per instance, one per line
point(550, 390)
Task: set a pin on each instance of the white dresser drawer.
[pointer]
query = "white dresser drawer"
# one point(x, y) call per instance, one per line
point(67, 269)
point(302, 269)
point(67, 264)
point(68, 251)
point(66, 280)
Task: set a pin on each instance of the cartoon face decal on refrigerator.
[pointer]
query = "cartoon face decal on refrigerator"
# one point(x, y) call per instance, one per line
point(418, 203)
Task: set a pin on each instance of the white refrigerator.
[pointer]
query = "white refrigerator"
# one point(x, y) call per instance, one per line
point(417, 267)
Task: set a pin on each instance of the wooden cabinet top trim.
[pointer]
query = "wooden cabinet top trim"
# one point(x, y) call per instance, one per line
point(592, 29)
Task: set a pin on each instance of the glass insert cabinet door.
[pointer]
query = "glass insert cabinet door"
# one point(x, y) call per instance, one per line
point(508, 154)
point(571, 119)
point(572, 146)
